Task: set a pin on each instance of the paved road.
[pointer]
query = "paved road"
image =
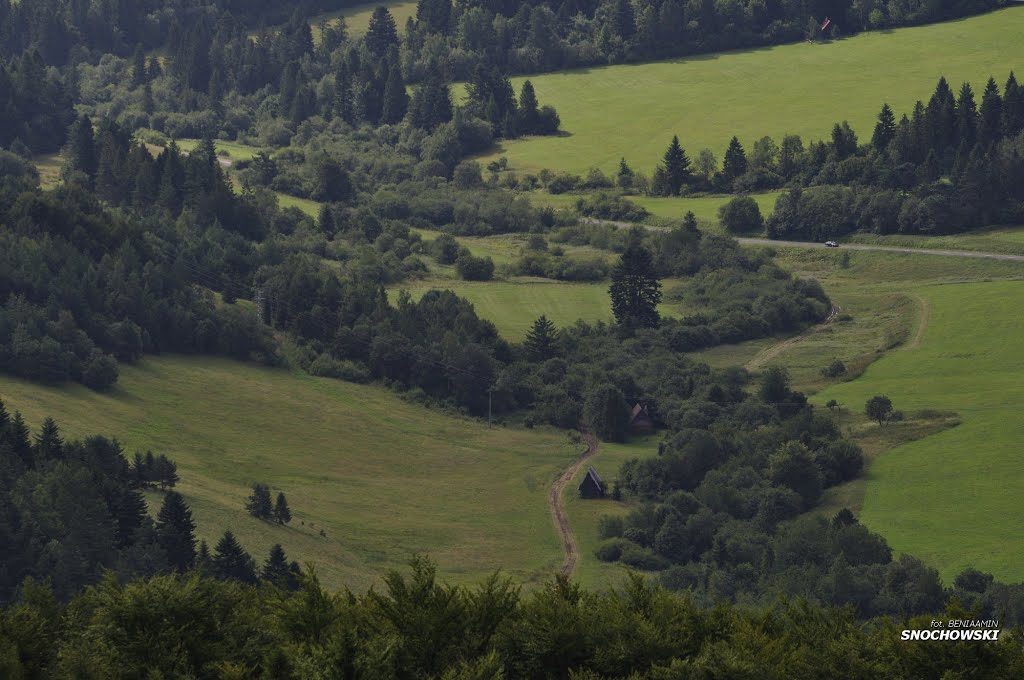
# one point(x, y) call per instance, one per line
point(847, 246)
point(889, 249)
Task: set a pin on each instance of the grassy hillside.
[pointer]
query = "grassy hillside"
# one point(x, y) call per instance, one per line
point(632, 111)
point(381, 477)
point(934, 334)
point(357, 17)
point(952, 498)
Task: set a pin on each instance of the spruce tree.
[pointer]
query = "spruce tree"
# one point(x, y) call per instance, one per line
point(677, 167)
point(259, 504)
point(204, 561)
point(991, 118)
point(343, 99)
point(175, 532)
point(966, 116)
point(18, 439)
point(529, 114)
point(49, 445)
point(275, 569)
point(81, 151)
point(540, 340)
point(396, 100)
point(635, 290)
point(735, 163)
point(281, 512)
point(623, 20)
point(139, 76)
point(885, 129)
point(382, 34)
point(165, 472)
point(940, 117)
point(231, 561)
point(1013, 107)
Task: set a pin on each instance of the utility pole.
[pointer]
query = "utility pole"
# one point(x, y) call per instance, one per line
point(490, 391)
point(259, 304)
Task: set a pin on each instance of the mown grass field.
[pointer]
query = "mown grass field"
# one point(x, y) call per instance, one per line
point(514, 304)
point(704, 208)
point(382, 477)
point(632, 111)
point(935, 334)
point(1008, 240)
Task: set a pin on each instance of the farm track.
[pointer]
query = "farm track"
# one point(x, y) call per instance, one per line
point(775, 350)
point(572, 553)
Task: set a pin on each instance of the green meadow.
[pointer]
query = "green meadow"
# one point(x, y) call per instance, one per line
point(940, 337)
point(515, 303)
point(357, 17)
point(383, 478)
point(632, 111)
point(704, 208)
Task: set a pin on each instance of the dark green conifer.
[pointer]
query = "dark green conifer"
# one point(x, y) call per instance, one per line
point(282, 515)
point(231, 561)
point(175, 532)
point(635, 288)
point(540, 340)
point(677, 167)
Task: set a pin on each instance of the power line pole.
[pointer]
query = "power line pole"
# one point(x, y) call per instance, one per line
point(259, 304)
point(490, 391)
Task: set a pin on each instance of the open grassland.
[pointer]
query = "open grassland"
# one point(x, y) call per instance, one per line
point(704, 208)
point(939, 336)
point(632, 111)
point(514, 304)
point(357, 17)
point(48, 166)
point(952, 498)
point(381, 477)
point(584, 514)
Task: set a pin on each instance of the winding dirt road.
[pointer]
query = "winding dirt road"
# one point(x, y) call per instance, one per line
point(572, 552)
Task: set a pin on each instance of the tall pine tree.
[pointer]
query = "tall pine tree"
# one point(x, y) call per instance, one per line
point(282, 515)
point(540, 340)
point(635, 289)
point(231, 562)
point(175, 532)
point(735, 163)
point(885, 129)
point(990, 120)
point(677, 167)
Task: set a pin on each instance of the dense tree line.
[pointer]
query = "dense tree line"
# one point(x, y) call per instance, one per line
point(552, 35)
point(35, 105)
point(417, 626)
point(84, 287)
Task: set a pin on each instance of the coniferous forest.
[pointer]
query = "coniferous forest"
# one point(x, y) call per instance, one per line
point(146, 244)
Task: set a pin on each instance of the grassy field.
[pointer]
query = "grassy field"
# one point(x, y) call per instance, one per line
point(514, 304)
point(48, 166)
point(704, 208)
point(632, 111)
point(357, 18)
point(935, 334)
point(383, 478)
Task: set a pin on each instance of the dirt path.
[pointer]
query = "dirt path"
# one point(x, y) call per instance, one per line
point(923, 325)
point(769, 353)
point(572, 552)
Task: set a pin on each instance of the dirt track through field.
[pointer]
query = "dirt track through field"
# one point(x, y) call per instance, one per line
point(561, 520)
point(769, 353)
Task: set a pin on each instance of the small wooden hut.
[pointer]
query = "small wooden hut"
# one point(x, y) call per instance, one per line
point(591, 486)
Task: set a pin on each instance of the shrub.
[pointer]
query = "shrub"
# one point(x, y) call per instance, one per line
point(611, 550)
point(741, 215)
point(101, 371)
point(609, 526)
point(473, 268)
point(643, 558)
point(834, 370)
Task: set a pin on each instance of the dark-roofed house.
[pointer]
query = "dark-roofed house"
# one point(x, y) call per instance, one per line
point(591, 486)
point(640, 420)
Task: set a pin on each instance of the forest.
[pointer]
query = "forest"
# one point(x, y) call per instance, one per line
point(146, 244)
